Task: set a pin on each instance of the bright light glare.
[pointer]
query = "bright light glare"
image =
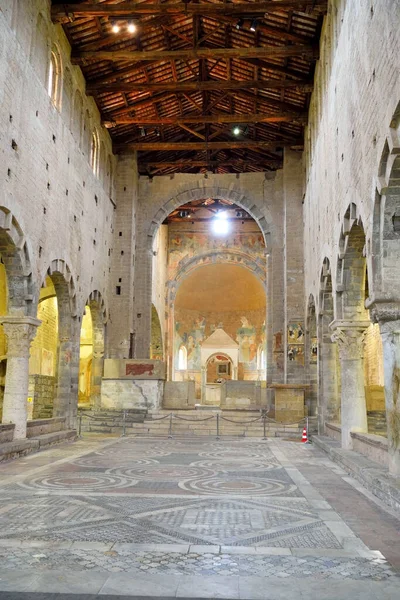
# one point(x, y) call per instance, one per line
point(115, 28)
point(131, 27)
point(236, 130)
point(220, 225)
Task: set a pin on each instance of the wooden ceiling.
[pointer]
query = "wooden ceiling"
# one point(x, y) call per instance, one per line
point(192, 72)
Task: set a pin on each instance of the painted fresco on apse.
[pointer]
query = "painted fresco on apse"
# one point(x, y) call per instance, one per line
point(192, 330)
point(189, 244)
point(246, 338)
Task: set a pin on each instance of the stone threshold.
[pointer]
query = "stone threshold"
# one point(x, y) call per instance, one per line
point(373, 476)
point(18, 448)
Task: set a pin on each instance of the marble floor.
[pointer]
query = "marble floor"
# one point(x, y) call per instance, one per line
point(198, 518)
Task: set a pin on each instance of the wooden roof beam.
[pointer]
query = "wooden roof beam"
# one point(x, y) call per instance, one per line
point(283, 117)
point(228, 145)
point(195, 53)
point(64, 13)
point(273, 164)
point(194, 86)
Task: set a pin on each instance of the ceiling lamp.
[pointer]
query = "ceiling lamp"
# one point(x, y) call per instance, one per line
point(220, 223)
point(115, 28)
point(131, 27)
point(239, 24)
point(236, 130)
point(254, 25)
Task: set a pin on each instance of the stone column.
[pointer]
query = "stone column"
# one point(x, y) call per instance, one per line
point(328, 394)
point(20, 331)
point(388, 317)
point(349, 336)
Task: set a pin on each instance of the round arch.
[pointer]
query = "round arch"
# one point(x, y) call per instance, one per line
point(229, 258)
point(232, 193)
point(16, 258)
point(92, 347)
point(385, 241)
point(66, 384)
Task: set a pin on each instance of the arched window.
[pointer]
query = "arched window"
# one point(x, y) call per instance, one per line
point(261, 358)
point(54, 78)
point(94, 153)
point(182, 359)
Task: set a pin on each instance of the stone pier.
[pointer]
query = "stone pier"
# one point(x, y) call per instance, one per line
point(349, 336)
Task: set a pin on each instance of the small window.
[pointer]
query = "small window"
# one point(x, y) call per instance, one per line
point(94, 153)
point(261, 358)
point(182, 359)
point(54, 78)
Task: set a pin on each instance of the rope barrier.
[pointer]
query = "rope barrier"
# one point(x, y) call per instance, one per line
point(194, 420)
point(263, 418)
point(161, 418)
point(241, 422)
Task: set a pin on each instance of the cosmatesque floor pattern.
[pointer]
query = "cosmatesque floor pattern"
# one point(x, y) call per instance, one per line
point(153, 516)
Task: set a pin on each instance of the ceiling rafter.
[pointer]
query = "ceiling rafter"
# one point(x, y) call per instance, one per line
point(214, 85)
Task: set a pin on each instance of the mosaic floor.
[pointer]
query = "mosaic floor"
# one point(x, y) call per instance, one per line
point(178, 509)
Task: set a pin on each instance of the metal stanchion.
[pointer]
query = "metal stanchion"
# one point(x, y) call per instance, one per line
point(217, 426)
point(124, 423)
point(170, 426)
point(80, 426)
point(264, 424)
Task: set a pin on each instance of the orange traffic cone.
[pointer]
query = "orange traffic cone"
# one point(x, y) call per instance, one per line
point(304, 438)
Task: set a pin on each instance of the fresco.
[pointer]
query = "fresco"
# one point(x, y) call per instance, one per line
point(246, 338)
point(314, 350)
point(189, 244)
point(192, 328)
point(295, 333)
point(296, 353)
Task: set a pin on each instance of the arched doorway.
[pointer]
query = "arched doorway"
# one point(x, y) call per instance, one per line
point(91, 351)
point(55, 353)
point(43, 365)
point(328, 366)
point(360, 349)
point(85, 358)
point(18, 323)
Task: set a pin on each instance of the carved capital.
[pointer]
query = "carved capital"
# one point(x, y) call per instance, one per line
point(349, 336)
point(20, 332)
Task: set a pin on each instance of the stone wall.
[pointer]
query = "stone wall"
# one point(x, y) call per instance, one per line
point(62, 207)
point(355, 96)
point(261, 194)
point(41, 396)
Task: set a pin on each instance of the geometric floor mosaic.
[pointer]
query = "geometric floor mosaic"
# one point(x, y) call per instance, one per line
point(99, 511)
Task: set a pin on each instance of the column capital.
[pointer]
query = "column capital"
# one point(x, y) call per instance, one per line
point(349, 336)
point(386, 313)
point(20, 331)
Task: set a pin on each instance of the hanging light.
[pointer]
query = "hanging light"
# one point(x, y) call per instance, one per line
point(220, 223)
point(236, 130)
point(253, 25)
point(239, 24)
point(131, 27)
point(142, 132)
point(115, 28)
